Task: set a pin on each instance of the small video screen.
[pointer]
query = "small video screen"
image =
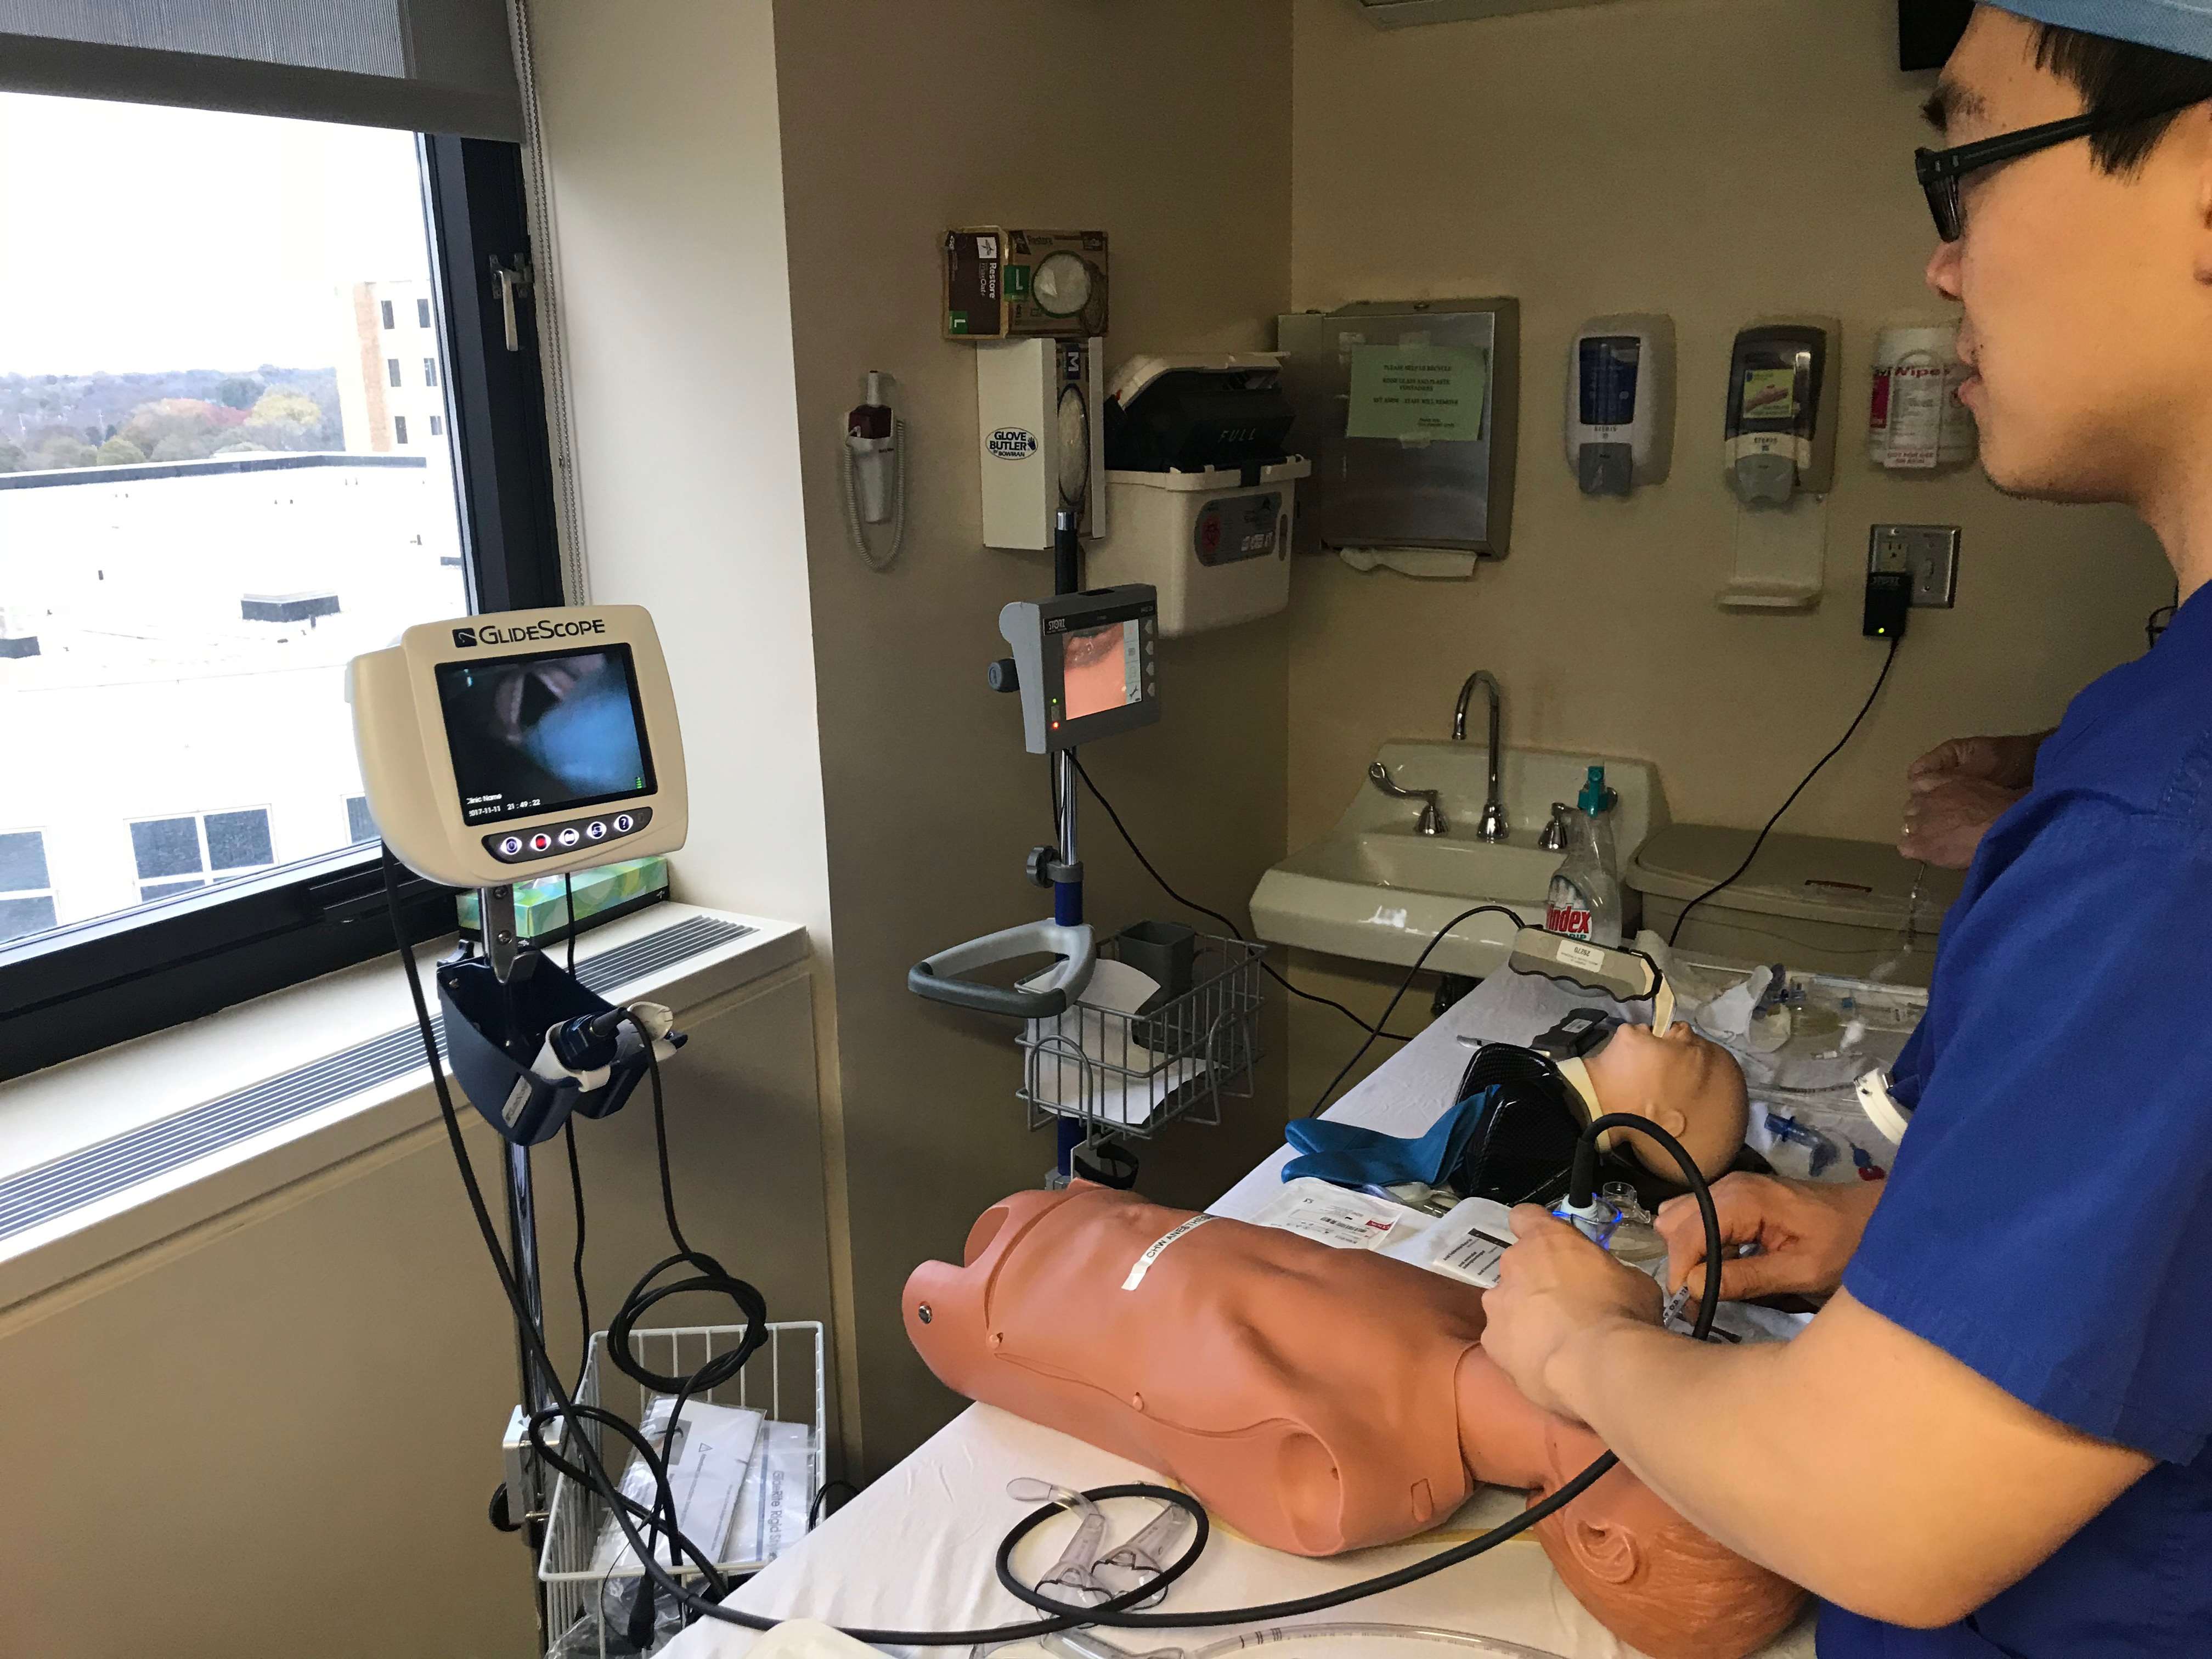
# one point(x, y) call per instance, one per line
point(1102, 668)
point(544, 733)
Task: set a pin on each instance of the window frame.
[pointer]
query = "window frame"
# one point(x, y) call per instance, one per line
point(91, 984)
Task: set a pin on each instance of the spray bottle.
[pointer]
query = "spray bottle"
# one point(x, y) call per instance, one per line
point(1585, 897)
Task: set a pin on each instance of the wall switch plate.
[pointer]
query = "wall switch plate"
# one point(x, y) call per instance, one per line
point(1929, 553)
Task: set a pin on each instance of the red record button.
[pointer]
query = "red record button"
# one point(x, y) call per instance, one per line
point(540, 842)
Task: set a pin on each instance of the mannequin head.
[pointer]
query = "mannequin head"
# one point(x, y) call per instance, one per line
point(1689, 1087)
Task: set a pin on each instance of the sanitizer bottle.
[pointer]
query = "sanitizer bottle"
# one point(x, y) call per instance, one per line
point(1585, 897)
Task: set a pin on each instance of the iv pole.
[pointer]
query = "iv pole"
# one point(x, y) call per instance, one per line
point(529, 1498)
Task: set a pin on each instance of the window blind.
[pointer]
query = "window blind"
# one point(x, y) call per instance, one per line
point(424, 65)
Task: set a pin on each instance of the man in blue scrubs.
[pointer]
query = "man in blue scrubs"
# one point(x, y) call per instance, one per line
point(1993, 1439)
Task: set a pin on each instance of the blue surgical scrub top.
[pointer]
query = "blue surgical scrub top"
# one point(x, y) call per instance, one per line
point(2049, 1217)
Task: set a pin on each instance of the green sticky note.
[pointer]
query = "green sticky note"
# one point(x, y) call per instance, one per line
point(1418, 392)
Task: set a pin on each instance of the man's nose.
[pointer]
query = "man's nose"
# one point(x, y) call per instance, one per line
point(1942, 271)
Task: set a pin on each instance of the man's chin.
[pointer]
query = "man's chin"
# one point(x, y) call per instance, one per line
point(2043, 479)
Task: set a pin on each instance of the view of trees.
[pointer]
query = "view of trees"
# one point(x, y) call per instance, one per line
point(58, 420)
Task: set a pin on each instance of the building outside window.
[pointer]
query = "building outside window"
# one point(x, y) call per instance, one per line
point(193, 624)
point(26, 894)
point(359, 824)
point(421, 313)
point(177, 854)
point(429, 371)
point(437, 426)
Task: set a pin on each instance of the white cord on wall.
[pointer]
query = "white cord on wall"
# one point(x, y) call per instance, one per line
point(850, 492)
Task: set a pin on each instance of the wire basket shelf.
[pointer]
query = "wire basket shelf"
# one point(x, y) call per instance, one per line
point(1132, 1074)
point(785, 1374)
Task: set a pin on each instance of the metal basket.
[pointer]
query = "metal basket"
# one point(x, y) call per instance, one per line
point(788, 1366)
point(1133, 1074)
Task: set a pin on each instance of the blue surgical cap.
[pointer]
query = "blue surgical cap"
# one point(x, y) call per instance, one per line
point(2180, 26)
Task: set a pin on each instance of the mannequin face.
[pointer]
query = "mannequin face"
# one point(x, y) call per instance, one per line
point(1689, 1087)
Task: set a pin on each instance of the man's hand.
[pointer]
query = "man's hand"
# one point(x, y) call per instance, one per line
point(1552, 1284)
point(1946, 815)
point(2009, 761)
point(1958, 790)
point(1806, 1231)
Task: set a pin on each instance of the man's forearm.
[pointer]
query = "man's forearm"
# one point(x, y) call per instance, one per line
point(1857, 1459)
point(1651, 1395)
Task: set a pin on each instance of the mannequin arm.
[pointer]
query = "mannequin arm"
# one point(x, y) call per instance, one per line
point(1858, 1460)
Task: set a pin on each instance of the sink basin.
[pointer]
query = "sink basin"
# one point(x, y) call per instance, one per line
point(1374, 889)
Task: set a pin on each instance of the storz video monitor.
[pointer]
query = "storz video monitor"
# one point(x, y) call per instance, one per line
point(527, 743)
point(1086, 665)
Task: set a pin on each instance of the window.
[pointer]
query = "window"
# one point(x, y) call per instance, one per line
point(199, 740)
point(421, 313)
point(437, 426)
point(429, 371)
point(386, 307)
point(175, 855)
point(26, 894)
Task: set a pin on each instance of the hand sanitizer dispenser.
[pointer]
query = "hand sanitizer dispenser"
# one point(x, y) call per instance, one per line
point(1620, 403)
point(1783, 396)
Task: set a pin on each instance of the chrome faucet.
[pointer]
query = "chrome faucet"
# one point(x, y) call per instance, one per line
point(1433, 812)
point(1492, 827)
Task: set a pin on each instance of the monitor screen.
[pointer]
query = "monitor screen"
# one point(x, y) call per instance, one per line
point(544, 733)
point(1927, 30)
point(1102, 668)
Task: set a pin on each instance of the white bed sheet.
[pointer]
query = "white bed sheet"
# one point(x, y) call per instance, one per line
point(914, 1551)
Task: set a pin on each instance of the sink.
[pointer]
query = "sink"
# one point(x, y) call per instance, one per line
point(1374, 890)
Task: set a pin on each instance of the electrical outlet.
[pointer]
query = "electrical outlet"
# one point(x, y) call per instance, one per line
point(1929, 553)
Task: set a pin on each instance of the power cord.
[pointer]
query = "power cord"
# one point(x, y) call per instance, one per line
point(1115, 1612)
point(1266, 967)
point(1406, 984)
point(1850, 732)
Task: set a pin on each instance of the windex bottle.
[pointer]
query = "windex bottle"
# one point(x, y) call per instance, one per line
point(1584, 902)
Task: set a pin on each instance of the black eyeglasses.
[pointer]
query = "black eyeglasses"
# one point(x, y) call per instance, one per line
point(1944, 171)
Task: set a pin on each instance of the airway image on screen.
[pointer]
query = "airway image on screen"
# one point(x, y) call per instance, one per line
point(544, 733)
point(1101, 668)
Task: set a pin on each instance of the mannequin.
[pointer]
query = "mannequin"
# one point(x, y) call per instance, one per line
point(1690, 1087)
point(1518, 1112)
point(1318, 1400)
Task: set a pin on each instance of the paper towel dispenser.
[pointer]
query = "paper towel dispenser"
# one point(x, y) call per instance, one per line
point(1410, 411)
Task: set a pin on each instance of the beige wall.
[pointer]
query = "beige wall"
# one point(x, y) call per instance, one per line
point(276, 1433)
point(825, 701)
point(1719, 160)
point(898, 122)
point(665, 163)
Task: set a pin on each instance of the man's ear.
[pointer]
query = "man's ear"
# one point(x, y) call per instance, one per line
point(1671, 1118)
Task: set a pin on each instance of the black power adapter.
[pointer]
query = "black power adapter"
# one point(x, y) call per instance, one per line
point(1888, 603)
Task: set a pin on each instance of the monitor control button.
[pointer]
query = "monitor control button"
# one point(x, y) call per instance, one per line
point(510, 847)
point(596, 829)
point(571, 836)
point(625, 824)
point(541, 843)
